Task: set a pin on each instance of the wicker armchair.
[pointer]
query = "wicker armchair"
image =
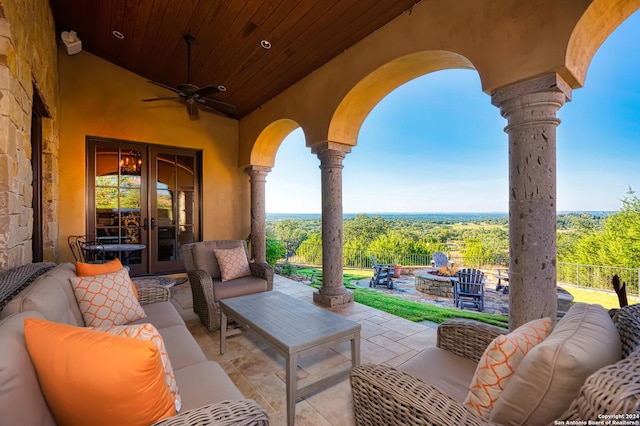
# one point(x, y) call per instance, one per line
point(384, 395)
point(225, 413)
point(208, 289)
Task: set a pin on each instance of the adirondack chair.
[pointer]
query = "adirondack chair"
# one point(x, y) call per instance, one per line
point(439, 259)
point(382, 274)
point(469, 289)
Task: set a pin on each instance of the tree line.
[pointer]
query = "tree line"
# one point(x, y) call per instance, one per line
point(586, 238)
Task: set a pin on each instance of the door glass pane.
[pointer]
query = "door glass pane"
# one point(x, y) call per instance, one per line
point(118, 197)
point(175, 204)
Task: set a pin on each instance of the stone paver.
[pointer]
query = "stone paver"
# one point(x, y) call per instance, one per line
point(259, 372)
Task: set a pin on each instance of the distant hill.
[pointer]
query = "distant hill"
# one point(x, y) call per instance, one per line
point(449, 217)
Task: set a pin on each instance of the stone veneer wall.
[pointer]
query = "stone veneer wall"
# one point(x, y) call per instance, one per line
point(28, 61)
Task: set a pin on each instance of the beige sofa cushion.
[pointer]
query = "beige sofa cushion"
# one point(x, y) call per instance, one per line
point(21, 401)
point(50, 294)
point(443, 370)
point(551, 374)
point(161, 315)
point(205, 383)
point(182, 348)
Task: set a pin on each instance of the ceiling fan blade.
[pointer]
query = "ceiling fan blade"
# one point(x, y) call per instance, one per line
point(173, 89)
point(217, 109)
point(206, 91)
point(172, 98)
point(214, 103)
point(193, 110)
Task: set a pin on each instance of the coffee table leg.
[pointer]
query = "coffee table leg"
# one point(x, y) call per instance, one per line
point(292, 388)
point(223, 330)
point(355, 350)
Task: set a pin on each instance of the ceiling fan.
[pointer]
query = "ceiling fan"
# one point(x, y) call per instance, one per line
point(193, 95)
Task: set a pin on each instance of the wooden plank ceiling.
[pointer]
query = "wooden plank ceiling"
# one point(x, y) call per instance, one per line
point(304, 35)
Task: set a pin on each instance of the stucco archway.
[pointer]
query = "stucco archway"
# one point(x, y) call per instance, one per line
point(262, 159)
point(358, 103)
point(596, 24)
point(263, 152)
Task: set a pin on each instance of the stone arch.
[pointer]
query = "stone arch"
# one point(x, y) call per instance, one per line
point(365, 95)
point(600, 19)
point(266, 146)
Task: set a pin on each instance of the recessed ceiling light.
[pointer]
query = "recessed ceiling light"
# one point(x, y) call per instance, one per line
point(266, 44)
point(222, 88)
point(118, 34)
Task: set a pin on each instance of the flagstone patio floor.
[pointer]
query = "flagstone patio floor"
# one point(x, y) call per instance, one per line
point(259, 372)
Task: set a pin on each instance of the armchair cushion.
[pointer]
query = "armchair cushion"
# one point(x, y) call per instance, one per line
point(233, 263)
point(443, 370)
point(238, 287)
point(551, 374)
point(108, 299)
point(81, 375)
point(499, 363)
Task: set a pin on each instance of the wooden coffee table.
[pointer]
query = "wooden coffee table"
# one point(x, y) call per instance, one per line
point(293, 328)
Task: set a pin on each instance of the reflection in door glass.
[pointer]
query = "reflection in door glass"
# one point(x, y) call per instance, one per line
point(118, 197)
point(175, 208)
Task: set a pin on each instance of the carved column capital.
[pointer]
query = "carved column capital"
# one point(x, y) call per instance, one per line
point(258, 172)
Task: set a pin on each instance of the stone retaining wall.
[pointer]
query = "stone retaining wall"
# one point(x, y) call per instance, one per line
point(432, 284)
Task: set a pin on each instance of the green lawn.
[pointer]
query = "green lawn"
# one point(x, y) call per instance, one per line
point(413, 311)
point(607, 299)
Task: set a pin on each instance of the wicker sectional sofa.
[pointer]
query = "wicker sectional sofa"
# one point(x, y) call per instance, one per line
point(587, 369)
point(208, 395)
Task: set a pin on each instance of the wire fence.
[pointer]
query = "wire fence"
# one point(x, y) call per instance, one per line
point(596, 277)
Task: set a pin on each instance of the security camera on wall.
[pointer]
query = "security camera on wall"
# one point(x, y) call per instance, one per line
point(71, 42)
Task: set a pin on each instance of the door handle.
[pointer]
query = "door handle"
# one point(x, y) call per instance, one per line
point(144, 224)
point(153, 224)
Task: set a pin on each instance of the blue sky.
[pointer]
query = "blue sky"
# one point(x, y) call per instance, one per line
point(436, 144)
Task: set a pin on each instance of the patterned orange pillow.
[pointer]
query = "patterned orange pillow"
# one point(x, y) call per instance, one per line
point(86, 269)
point(108, 299)
point(150, 333)
point(499, 362)
point(233, 263)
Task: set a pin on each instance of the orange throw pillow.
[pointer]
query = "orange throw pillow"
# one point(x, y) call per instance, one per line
point(233, 263)
point(89, 269)
point(108, 299)
point(149, 333)
point(89, 377)
point(499, 362)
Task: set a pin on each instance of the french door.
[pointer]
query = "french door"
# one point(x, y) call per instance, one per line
point(143, 194)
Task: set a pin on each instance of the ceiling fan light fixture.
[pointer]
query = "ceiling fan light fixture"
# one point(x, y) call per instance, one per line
point(222, 88)
point(117, 34)
point(266, 44)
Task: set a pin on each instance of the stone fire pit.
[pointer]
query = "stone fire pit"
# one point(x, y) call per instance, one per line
point(428, 283)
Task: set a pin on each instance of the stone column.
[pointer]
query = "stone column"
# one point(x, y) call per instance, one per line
point(258, 176)
point(530, 109)
point(332, 293)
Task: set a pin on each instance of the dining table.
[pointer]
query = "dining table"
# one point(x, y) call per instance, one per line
point(126, 249)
